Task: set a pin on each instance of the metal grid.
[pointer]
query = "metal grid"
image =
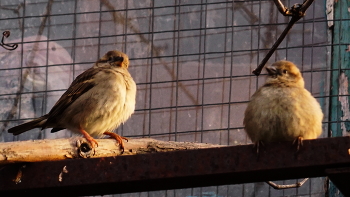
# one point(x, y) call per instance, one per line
point(192, 61)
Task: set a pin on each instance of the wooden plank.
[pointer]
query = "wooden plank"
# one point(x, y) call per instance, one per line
point(176, 169)
point(77, 147)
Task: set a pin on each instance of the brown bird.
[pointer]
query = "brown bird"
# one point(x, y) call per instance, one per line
point(282, 109)
point(97, 101)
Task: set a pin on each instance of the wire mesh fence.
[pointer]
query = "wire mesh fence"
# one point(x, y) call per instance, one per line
point(192, 62)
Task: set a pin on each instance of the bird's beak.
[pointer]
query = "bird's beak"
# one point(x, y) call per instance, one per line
point(271, 70)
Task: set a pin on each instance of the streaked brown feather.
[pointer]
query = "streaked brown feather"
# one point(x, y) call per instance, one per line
point(79, 86)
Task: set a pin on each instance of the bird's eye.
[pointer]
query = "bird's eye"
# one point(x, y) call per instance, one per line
point(115, 59)
point(285, 71)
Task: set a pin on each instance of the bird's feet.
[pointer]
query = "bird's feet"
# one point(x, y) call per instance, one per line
point(90, 139)
point(118, 138)
point(257, 146)
point(298, 142)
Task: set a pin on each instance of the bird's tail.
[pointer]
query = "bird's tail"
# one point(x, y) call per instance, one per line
point(36, 123)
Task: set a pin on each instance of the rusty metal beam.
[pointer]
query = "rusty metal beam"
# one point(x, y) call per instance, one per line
point(178, 169)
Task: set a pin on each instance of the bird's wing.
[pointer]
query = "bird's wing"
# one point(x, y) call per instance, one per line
point(83, 83)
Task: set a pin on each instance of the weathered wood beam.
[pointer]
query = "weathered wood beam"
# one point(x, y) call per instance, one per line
point(76, 147)
point(176, 169)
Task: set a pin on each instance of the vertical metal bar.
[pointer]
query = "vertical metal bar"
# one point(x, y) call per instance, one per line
point(124, 47)
point(45, 96)
point(199, 93)
point(151, 68)
point(125, 28)
point(99, 31)
point(231, 73)
point(74, 44)
point(177, 10)
point(223, 107)
point(204, 63)
point(176, 51)
point(20, 93)
point(203, 69)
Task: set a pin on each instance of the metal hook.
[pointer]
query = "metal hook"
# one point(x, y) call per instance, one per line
point(9, 47)
point(297, 11)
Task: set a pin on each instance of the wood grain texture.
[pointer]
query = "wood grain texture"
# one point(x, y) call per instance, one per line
point(69, 148)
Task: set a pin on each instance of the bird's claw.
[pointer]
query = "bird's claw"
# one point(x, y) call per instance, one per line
point(298, 142)
point(93, 143)
point(257, 146)
point(118, 138)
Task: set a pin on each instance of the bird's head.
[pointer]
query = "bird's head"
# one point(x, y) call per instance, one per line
point(116, 58)
point(284, 72)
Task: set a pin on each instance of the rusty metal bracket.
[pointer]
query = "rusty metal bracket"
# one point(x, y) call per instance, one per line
point(177, 169)
point(297, 11)
point(341, 178)
point(9, 47)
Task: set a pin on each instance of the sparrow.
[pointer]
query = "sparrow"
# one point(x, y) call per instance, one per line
point(282, 109)
point(97, 102)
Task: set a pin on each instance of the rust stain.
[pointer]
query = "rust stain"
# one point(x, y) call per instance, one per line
point(344, 101)
point(60, 176)
point(347, 49)
point(19, 175)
